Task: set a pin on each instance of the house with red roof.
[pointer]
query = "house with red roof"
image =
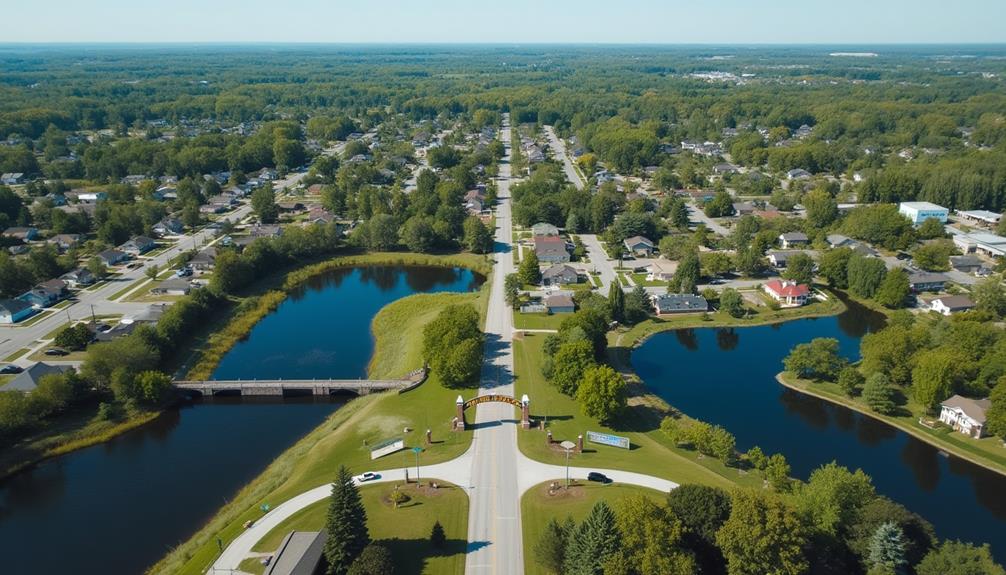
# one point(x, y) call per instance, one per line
point(787, 293)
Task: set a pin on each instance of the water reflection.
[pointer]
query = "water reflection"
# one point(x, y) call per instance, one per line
point(687, 339)
point(923, 459)
point(811, 410)
point(727, 338)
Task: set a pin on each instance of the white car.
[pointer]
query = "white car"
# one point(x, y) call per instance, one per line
point(368, 476)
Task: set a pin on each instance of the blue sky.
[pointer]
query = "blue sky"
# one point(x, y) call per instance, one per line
point(507, 21)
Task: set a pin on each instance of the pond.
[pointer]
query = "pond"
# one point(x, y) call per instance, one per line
point(120, 506)
point(727, 377)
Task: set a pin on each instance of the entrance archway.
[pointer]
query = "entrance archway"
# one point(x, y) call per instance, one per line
point(523, 403)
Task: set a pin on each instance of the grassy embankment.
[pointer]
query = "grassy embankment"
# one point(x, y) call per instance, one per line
point(344, 438)
point(987, 452)
point(537, 507)
point(405, 531)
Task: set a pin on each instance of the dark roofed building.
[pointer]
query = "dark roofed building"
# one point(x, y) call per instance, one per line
point(560, 303)
point(926, 281)
point(551, 249)
point(299, 554)
point(28, 379)
point(560, 274)
point(679, 303)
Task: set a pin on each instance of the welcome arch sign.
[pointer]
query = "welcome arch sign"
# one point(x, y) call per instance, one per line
point(522, 404)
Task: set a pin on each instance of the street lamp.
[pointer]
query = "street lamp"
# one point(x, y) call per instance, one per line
point(417, 451)
point(568, 446)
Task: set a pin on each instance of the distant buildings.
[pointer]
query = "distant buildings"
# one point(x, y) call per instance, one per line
point(919, 212)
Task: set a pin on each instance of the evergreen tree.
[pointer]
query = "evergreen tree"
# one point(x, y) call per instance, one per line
point(887, 549)
point(637, 305)
point(550, 549)
point(616, 302)
point(679, 214)
point(438, 539)
point(593, 542)
point(529, 271)
point(878, 394)
point(687, 275)
point(375, 560)
point(346, 525)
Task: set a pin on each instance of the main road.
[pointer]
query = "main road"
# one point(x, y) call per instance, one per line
point(494, 530)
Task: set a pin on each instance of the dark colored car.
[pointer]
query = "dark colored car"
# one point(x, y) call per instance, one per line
point(56, 351)
point(903, 256)
point(598, 477)
point(11, 368)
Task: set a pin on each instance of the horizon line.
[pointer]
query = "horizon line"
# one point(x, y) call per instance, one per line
point(1001, 43)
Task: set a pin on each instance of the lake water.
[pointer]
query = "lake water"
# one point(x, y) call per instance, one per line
point(118, 507)
point(727, 377)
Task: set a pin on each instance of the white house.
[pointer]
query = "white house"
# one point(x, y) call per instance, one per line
point(787, 293)
point(951, 304)
point(965, 415)
point(919, 212)
point(661, 270)
point(793, 239)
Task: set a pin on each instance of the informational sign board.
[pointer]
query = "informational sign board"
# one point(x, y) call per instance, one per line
point(608, 439)
point(386, 447)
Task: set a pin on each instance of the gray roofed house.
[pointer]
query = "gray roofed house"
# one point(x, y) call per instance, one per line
point(951, 304)
point(28, 379)
point(169, 226)
point(790, 239)
point(205, 259)
point(839, 241)
point(639, 245)
point(743, 208)
point(965, 415)
point(544, 229)
point(679, 303)
point(299, 554)
point(173, 286)
point(560, 274)
point(78, 277)
point(798, 174)
point(138, 245)
point(967, 264)
point(927, 281)
point(561, 302)
point(779, 258)
point(112, 257)
point(551, 249)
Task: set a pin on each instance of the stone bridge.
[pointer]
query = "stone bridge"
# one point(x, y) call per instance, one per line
point(279, 387)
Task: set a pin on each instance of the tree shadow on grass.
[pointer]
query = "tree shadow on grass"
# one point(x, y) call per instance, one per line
point(411, 555)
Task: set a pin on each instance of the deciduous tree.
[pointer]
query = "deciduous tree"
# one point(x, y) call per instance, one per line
point(601, 393)
point(762, 536)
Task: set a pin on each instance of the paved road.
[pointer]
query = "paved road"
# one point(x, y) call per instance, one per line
point(494, 532)
point(559, 147)
point(696, 214)
point(599, 262)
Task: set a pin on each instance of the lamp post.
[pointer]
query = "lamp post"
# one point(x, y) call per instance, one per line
point(417, 451)
point(568, 446)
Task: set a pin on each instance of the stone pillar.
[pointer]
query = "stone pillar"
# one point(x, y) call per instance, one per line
point(460, 415)
point(579, 443)
point(548, 438)
point(429, 437)
point(525, 415)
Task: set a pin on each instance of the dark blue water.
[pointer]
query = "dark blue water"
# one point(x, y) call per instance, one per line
point(727, 377)
point(118, 507)
point(323, 330)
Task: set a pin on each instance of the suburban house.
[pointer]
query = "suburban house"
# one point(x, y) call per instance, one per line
point(14, 310)
point(951, 304)
point(27, 381)
point(551, 250)
point(919, 212)
point(544, 229)
point(112, 257)
point(661, 270)
point(560, 303)
point(23, 234)
point(679, 303)
point(321, 216)
point(205, 259)
point(266, 231)
point(927, 281)
point(79, 277)
point(778, 258)
point(314, 190)
point(798, 174)
point(639, 246)
point(968, 264)
point(300, 553)
point(45, 294)
point(839, 241)
point(743, 209)
point(787, 293)
point(725, 168)
point(173, 286)
point(559, 274)
point(64, 242)
point(168, 226)
point(965, 415)
point(793, 239)
point(138, 245)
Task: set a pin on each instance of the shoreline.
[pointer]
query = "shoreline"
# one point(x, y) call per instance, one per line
point(900, 426)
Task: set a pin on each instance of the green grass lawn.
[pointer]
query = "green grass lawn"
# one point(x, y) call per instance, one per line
point(72, 356)
point(538, 507)
point(651, 451)
point(538, 320)
point(987, 451)
point(344, 438)
point(127, 289)
point(14, 356)
point(405, 531)
point(640, 279)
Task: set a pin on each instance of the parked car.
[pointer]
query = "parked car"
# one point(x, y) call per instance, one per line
point(368, 476)
point(56, 351)
point(11, 368)
point(598, 477)
point(183, 272)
